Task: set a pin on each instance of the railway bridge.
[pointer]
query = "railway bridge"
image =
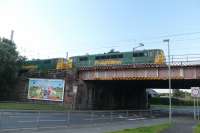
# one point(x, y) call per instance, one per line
point(124, 86)
point(118, 86)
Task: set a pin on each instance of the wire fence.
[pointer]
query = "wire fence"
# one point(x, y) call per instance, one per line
point(17, 120)
point(10, 120)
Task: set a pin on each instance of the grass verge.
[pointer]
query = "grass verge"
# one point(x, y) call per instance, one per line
point(197, 129)
point(29, 106)
point(149, 129)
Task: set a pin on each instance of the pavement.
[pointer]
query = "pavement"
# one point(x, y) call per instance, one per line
point(94, 128)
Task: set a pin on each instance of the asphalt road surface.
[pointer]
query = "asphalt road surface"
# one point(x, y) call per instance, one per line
point(38, 119)
point(95, 128)
point(11, 120)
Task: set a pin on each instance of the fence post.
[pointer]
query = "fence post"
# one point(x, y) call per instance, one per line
point(92, 116)
point(127, 114)
point(1, 120)
point(151, 113)
point(68, 117)
point(38, 120)
point(111, 115)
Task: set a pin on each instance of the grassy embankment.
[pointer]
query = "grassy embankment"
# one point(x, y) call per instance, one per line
point(30, 106)
point(175, 101)
point(197, 129)
point(150, 129)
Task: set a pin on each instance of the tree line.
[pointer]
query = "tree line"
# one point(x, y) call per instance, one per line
point(10, 64)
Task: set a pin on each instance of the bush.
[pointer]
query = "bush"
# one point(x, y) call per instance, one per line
point(175, 101)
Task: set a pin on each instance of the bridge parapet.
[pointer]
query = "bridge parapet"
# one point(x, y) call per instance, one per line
point(139, 72)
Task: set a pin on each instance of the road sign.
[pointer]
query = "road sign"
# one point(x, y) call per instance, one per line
point(195, 91)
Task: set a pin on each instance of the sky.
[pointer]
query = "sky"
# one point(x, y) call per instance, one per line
point(51, 28)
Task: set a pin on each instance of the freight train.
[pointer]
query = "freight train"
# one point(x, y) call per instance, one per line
point(151, 56)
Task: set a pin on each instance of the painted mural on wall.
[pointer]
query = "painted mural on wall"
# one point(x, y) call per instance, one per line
point(46, 89)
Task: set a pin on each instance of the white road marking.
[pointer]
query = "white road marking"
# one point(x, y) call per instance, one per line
point(40, 121)
point(105, 118)
point(20, 116)
point(89, 119)
point(136, 119)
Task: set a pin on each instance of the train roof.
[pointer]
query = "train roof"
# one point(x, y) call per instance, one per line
point(118, 52)
point(45, 59)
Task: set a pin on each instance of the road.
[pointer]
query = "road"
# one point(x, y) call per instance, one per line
point(42, 119)
point(13, 120)
point(95, 128)
point(177, 110)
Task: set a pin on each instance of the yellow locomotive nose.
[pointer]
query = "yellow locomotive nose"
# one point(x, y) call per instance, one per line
point(159, 59)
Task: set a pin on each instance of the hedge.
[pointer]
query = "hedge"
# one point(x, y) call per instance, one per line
point(175, 101)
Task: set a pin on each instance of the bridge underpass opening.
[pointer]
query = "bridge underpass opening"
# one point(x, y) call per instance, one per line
point(127, 94)
point(116, 95)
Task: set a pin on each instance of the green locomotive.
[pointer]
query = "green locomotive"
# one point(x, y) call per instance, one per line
point(153, 56)
point(47, 64)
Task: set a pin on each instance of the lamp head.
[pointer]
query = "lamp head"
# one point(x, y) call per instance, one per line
point(141, 44)
point(166, 40)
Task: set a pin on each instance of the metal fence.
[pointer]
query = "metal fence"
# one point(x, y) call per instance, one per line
point(185, 59)
point(10, 120)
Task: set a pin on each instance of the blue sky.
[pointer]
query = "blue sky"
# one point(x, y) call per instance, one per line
point(50, 28)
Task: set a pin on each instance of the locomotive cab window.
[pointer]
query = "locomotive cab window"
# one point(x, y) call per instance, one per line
point(150, 53)
point(47, 61)
point(138, 54)
point(113, 56)
point(120, 56)
point(145, 54)
point(83, 58)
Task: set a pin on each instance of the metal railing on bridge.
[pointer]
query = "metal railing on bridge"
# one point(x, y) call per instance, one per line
point(184, 59)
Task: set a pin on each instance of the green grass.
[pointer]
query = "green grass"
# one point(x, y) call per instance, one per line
point(34, 106)
point(197, 129)
point(150, 129)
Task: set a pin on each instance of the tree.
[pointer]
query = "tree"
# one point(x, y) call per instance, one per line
point(178, 93)
point(10, 62)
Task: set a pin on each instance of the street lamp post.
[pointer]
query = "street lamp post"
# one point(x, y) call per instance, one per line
point(169, 77)
point(11, 36)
